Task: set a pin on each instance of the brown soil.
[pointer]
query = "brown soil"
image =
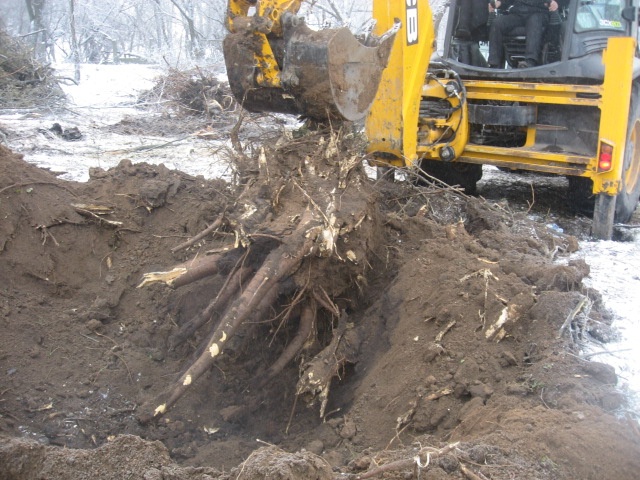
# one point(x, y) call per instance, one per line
point(457, 304)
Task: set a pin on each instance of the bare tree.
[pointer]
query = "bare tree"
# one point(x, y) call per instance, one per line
point(193, 36)
point(75, 55)
point(338, 13)
point(104, 30)
point(38, 32)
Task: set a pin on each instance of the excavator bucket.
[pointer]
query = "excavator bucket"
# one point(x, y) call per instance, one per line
point(323, 74)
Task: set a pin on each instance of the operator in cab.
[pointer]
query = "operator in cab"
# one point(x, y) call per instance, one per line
point(533, 15)
point(472, 22)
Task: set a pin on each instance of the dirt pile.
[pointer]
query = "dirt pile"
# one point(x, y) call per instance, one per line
point(464, 332)
point(191, 92)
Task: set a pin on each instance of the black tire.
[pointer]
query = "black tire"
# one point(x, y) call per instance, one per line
point(465, 175)
point(627, 199)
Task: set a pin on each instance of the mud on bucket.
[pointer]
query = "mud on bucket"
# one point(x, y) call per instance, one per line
point(325, 74)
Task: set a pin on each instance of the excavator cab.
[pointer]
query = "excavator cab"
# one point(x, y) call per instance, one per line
point(574, 40)
point(576, 30)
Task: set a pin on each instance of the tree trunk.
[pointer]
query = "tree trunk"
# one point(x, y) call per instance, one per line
point(75, 55)
point(193, 35)
point(39, 37)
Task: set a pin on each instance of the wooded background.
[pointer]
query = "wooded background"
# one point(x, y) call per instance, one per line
point(115, 31)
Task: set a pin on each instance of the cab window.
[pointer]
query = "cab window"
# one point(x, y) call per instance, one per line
point(599, 15)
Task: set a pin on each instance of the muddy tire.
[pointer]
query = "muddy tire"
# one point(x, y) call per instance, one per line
point(465, 175)
point(627, 199)
point(603, 216)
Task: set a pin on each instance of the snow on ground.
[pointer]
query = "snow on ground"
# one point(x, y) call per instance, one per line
point(105, 88)
point(615, 273)
point(107, 94)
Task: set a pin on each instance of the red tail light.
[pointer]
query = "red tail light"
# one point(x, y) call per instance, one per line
point(605, 160)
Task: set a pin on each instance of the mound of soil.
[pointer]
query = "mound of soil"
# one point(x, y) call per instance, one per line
point(191, 92)
point(467, 365)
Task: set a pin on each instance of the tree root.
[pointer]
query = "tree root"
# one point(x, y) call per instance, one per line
point(279, 264)
point(185, 273)
point(315, 381)
point(307, 319)
point(266, 285)
point(304, 333)
point(229, 289)
point(421, 460)
point(192, 241)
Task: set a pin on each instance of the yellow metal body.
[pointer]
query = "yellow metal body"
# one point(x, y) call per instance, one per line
point(616, 97)
point(398, 136)
point(437, 133)
point(392, 123)
point(265, 21)
point(612, 98)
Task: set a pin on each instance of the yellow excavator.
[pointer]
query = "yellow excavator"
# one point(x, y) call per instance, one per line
point(576, 114)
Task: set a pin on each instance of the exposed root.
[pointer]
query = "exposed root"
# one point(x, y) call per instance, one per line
point(192, 241)
point(583, 304)
point(279, 264)
point(315, 381)
point(470, 474)
point(305, 329)
point(420, 461)
point(228, 290)
point(324, 300)
point(184, 273)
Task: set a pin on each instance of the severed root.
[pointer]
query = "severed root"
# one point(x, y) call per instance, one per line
point(421, 460)
point(279, 264)
point(470, 474)
point(95, 213)
point(570, 318)
point(183, 274)
point(192, 241)
point(315, 380)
